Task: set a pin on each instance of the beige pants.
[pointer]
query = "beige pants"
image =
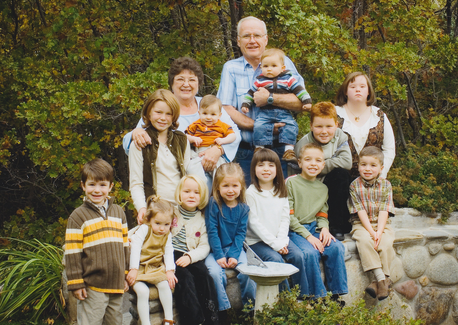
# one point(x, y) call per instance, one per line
point(100, 308)
point(371, 258)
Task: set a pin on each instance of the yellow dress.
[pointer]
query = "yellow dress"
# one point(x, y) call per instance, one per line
point(152, 268)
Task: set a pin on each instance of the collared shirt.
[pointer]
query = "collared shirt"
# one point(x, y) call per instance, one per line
point(372, 198)
point(236, 79)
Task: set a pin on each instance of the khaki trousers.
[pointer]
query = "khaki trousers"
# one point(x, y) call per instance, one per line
point(100, 308)
point(371, 258)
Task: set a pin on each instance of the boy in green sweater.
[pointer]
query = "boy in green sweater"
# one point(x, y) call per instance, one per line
point(309, 226)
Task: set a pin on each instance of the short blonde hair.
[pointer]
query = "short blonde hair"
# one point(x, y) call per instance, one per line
point(202, 186)
point(208, 100)
point(374, 152)
point(273, 52)
point(311, 145)
point(161, 95)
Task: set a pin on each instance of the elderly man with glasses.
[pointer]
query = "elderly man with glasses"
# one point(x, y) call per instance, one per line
point(237, 77)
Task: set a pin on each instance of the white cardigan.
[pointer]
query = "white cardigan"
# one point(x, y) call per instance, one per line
point(268, 220)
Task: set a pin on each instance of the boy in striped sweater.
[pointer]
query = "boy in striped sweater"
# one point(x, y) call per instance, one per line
point(277, 80)
point(97, 249)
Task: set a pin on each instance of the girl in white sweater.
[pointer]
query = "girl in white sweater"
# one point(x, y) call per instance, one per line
point(268, 221)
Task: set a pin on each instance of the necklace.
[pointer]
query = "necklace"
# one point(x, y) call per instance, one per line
point(357, 117)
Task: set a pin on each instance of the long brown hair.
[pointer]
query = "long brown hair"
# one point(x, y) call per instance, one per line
point(161, 95)
point(228, 169)
point(341, 97)
point(265, 154)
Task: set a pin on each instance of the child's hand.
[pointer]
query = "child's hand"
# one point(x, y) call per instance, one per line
point(183, 261)
point(326, 237)
point(126, 286)
point(232, 263)
point(245, 110)
point(283, 251)
point(316, 243)
point(197, 141)
point(140, 215)
point(378, 238)
point(80, 294)
point(131, 276)
point(219, 141)
point(222, 262)
point(306, 107)
point(171, 278)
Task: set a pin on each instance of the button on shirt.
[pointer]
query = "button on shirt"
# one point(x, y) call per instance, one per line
point(236, 79)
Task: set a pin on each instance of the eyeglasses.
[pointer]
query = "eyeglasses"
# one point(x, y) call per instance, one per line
point(181, 81)
point(249, 36)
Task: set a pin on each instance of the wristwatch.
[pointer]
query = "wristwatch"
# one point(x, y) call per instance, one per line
point(270, 100)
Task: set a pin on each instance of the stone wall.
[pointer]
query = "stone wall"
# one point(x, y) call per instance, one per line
point(424, 271)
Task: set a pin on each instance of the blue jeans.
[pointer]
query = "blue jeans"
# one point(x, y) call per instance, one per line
point(333, 262)
point(264, 127)
point(244, 157)
point(294, 257)
point(247, 286)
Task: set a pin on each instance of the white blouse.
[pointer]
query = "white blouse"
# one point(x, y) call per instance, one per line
point(359, 135)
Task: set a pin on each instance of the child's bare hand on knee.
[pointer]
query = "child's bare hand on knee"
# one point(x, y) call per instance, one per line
point(283, 251)
point(126, 286)
point(326, 237)
point(183, 261)
point(131, 276)
point(222, 262)
point(378, 238)
point(316, 243)
point(80, 294)
point(232, 263)
point(171, 278)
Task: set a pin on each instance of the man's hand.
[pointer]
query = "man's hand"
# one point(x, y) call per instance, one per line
point(326, 237)
point(140, 138)
point(222, 262)
point(171, 278)
point(232, 263)
point(131, 276)
point(210, 158)
point(183, 261)
point(260, 97)
point(80, 294)
point(140, 215)
point(316, 243)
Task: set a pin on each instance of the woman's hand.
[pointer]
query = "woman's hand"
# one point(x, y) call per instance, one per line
point(171, 278)
point(140, 215)
point(140, 138)
point(232, 263)
point(222, 262)
point(326, 237)
point(183, 261)
point(131, 276)
point(210, 158)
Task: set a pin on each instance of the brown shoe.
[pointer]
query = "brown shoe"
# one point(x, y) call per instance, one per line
point(167, 322)
point(383, 290)
point(371, 289)
point(289, 155)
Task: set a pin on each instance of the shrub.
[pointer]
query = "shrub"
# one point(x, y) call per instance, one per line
point(287, 310)
point(30, 277)
point(426, 179)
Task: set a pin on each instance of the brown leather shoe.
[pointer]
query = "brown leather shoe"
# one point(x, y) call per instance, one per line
point(383, 290)
point(289, 155)
point(372, 289)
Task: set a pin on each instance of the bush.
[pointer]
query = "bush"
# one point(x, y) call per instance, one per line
point(426, 179)
point(287, 310)
point(30, 277)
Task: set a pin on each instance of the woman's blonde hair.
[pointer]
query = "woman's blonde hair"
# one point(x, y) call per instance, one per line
point(225, 170)
point(201, 185)
point(161, 95)
point(154, 205)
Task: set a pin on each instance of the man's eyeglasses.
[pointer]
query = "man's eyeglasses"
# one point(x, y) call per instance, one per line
point(249, 36)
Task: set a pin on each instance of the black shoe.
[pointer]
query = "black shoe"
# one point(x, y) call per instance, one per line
point(339, 236)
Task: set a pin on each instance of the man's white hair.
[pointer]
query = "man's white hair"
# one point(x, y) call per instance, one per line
point(250, 18)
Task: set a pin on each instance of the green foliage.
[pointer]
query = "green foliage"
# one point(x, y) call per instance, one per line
point(426, 179)
point(287, 310)
point(30, 274)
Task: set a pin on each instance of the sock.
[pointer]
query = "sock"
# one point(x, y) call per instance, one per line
point(289, 147)
point(259, 146)
point(379, 275)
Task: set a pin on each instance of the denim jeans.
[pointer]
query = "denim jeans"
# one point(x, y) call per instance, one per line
point(244, 157)
point(247, 286)
point(294, 257)
point(333, 262)
point(264, 127)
